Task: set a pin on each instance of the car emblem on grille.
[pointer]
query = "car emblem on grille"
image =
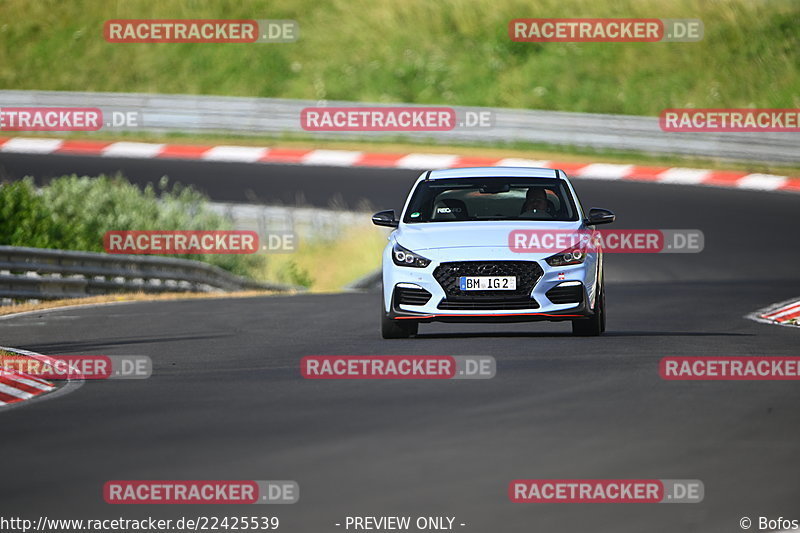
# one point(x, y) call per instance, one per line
point(487, 269)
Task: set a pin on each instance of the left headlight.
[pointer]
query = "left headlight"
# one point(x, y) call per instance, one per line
point(573, 256)
point(407, 258)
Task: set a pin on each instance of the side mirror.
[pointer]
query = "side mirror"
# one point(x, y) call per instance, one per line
point(385, 218)
point(600, 216)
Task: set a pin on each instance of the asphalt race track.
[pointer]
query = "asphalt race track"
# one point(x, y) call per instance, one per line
point(226, 400)
point(292, 185)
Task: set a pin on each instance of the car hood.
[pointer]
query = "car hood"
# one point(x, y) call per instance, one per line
point(493, 234)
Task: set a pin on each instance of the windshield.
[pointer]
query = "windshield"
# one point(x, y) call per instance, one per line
point(461, 199)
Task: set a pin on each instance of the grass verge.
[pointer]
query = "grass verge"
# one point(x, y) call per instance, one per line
point(132, 297)
point(330, 264)
point(451, 52)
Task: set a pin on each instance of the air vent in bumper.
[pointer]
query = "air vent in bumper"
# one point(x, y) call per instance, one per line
point(495, 304)
point(411, 296)
point(566, 294)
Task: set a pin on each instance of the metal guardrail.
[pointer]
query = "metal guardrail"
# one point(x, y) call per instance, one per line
point(207, 114)
point(43, 274)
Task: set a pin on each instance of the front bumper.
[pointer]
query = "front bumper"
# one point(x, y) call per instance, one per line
point(574, 313)
point(438, 308)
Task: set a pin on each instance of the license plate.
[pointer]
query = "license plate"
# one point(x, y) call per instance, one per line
point(487, 283)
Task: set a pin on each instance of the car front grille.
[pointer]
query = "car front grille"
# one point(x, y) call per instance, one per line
point(566, 295)
point(411, 296)
point(527, 273)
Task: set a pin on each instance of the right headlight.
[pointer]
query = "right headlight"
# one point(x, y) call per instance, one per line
point(403, 257)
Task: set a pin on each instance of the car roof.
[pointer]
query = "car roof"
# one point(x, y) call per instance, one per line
point(495, 172)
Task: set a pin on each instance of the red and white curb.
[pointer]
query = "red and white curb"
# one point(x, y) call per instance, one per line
point(784, 314)
point(346, 158)
point(16, 387)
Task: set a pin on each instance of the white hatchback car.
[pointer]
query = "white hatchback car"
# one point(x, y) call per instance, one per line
point(450, 258)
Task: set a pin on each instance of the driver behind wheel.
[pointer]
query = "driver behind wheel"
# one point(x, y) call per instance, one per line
point(536, 202)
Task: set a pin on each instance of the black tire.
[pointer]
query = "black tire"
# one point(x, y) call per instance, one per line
point(603, 315)
point(596, 325)
point(398, 329)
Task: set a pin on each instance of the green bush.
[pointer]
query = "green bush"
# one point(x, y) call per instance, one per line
point(25, 220)
point(73, 213)
point(293, 274)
